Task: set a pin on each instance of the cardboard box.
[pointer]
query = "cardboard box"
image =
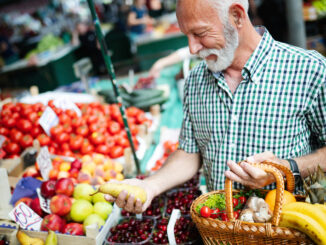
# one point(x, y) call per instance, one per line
point(14, 166)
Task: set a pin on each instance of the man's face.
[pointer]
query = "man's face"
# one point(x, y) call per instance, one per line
point(208, 37)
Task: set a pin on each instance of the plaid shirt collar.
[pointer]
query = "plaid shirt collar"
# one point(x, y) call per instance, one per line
point(257, 61)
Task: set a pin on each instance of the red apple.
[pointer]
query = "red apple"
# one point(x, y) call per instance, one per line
point(60, 205)
point(74, 173)
point(48, 188)
point(53, 222)
point(74, 229)
point(76, 164)
point(35, 205)
point(26, 200)
point(64, 186)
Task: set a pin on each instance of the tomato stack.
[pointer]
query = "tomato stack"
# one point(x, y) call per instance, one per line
point(99, 129)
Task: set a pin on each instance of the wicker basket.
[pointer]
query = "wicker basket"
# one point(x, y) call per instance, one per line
point(214, 231)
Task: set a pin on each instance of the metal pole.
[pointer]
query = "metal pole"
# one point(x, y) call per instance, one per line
point(296, 24)
point(112, 77)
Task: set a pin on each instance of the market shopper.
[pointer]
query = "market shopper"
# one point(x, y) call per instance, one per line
point(138, 18)
point(252, 98)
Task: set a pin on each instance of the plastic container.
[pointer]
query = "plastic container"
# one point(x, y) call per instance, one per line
point(132, 231)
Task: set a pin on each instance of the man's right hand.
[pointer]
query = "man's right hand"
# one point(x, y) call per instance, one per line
point(130, 204)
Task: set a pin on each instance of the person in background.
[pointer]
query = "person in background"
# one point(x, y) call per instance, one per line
point(7, 51)
point(252, 98)
point(154, 8)
point(138, 18)
point(85, 36)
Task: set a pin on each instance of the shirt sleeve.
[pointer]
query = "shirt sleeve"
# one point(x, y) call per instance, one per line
point(187, 141)
point(317, 113)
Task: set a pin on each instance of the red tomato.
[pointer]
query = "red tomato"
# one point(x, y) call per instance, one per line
point(67, 128)
point(15, 135)
point(110, 142)
point(10, 106)
point(76, 122)
point(116, 151)
point(36, 131)
point(9, 122)
point(44, 139)
point(103, 149)
point(12, 148)
point(4, 131)
point(76, 142)
point(56, 130)
point(205, 212)
point(132, 111)
point(64, 119)
point(115, 112)
point(62, 138)
point(242, 199)
point(236, 214)
point(96, 127)
point(71, 113)
point(97, 138)
point(65, 147)
point(82, 130)
point(215, 213)
point(24, 125)
point(224, 217)
point(26, 111)
point(134, 129)
point(15, 115)
point(92, 119)
point(6, 113)
point(51, 149)
point(26, 141)
point(87, 148)
point(32, 117)
point(114, 127)
point(67, 153)
point(235, 202)
point(122, 141)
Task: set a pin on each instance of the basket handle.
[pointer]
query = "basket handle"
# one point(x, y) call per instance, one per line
point(269, 168)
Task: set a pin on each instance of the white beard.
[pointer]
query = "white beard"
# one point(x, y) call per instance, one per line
point(225, 55)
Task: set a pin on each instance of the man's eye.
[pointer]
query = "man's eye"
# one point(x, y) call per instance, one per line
point(199, 34)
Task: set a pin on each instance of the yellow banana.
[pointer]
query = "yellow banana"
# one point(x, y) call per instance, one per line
point(322, 207)
point(305, 224)
point(311, 210)
point(24, 239)
point(114, 190)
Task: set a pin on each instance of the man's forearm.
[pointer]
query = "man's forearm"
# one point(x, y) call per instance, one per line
point(309, 163)
point(179, 168)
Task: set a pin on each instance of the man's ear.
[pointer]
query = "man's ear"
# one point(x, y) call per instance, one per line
point(237, 15)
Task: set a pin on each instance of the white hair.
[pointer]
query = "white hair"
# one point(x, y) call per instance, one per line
point(222, 6)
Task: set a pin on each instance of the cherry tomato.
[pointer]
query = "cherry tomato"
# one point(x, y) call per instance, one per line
point(9, 122)
point(44, 139)
point(205, 212)
point(12, 148)
point(116, 151)
point(236, 214)
point(26, 141)
point(62, 138)
point(65, 147)
point(76, 122)
point(86, 148)
point(122, 141)
point(64, 119)
point(97, 138)
point(224, 217)
point(242, 199)
point(103, 149)
point(115, 112)
point(71, 113)
point(82, 130)
point(15, 135)
point(36, 131)
point(92, 119)
point(67, 128)
point(4, 131)
point(32, 117)
point(215, 213)
point(110, 142)
point(235, 202)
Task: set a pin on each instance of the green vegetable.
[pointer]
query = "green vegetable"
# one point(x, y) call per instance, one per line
point(213, 201)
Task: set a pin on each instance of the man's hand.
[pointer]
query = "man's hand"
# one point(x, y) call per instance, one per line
point(130, 204)
point(250, 176)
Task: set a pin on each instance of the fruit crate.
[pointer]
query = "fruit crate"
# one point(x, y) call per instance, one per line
point(133, 230)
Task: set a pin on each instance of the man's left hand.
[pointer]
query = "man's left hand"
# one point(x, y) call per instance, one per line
point(250, 176)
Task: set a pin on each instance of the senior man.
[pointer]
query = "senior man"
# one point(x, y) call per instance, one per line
point(252, 98)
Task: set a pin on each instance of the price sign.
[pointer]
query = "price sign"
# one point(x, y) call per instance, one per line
point(48, 120)
point(2, 140)
point(44, 203)
point(44, 162)
point(26, 217)
point(66, 104)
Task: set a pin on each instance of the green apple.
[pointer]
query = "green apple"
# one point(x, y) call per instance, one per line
point(83, 191)
point(98, 197)
point(92, 219)
point(103, 209)
point(80, 209)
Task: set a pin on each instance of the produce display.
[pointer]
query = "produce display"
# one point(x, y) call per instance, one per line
point(24, 239)
point(47, 43)
point(169, 147)
point(99, 129)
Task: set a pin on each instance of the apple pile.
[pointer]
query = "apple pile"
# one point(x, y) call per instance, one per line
point(131, 230)
point(184, 231)
point(99, 129)
point(93, 169)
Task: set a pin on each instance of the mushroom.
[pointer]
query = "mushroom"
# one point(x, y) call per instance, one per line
point(247, 215)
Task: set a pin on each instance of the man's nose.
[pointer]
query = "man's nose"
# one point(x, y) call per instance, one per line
point(194, 45)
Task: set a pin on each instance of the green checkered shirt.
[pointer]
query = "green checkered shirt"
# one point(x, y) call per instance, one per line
point(279, 106)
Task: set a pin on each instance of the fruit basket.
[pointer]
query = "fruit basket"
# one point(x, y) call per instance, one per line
point(214, 231)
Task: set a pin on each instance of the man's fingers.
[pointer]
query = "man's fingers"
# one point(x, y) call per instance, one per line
point(130, 204)
point(121, 199)
point(138, 206)
point(235, 168)
point(109, 198)
point(232, 176)
point(258, 158)
point(254, 172)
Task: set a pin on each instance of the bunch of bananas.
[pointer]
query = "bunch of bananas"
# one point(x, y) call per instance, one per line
point(307, 218)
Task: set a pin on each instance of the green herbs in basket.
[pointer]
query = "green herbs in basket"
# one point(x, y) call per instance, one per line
point(213, 202)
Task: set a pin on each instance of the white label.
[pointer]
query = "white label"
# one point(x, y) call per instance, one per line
point(170, 230)
point(44, 162)
point(26, 217)
point(2, 140)
point(44, 203)
point(66, 104)
point(48, 120)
